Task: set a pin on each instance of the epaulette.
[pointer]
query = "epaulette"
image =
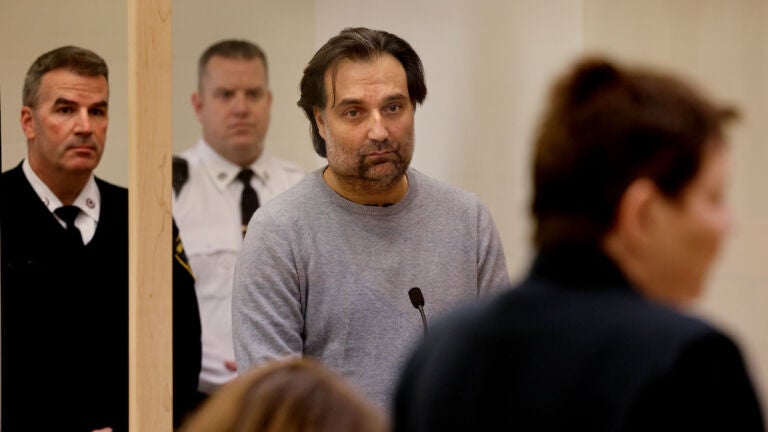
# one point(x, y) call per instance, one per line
point(180, 175)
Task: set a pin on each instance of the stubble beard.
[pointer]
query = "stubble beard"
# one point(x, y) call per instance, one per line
point(385, 173)
point(379, 174)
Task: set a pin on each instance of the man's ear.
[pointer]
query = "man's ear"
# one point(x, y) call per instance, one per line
point(320, 121)
point(197, 103)
point(28, 122)
point(636, 214)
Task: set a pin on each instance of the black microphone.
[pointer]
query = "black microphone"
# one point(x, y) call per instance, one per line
point(417, 300)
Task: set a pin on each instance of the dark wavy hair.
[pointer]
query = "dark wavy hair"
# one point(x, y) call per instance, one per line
point(355, 44)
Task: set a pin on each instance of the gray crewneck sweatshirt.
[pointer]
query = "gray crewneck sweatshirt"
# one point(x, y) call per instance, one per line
point(321, 276)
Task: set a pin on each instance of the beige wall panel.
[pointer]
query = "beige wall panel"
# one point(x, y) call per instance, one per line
point(723, 47)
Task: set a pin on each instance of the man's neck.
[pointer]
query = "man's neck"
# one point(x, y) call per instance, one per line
point(367, 194)
point(66, 187)
point(242, 157)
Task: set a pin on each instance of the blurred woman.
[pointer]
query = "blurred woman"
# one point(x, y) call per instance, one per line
point(296, 395)
point(629, 175)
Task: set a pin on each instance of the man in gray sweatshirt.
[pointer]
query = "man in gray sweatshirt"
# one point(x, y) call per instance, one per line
point(326, 267)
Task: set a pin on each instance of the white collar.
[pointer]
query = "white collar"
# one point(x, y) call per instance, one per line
point(223, 172)
point(89, 199)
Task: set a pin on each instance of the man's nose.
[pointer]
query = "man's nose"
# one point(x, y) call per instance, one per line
point(83, 124)
point(240, 103)
point(378, 130)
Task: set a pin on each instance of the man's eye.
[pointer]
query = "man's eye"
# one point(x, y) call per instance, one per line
point(225, 95)
point(393, 108)
point(98, 112)
point(64, 110)
point(352, 113)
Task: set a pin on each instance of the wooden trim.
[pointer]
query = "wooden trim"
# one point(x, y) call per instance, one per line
point(149, 179)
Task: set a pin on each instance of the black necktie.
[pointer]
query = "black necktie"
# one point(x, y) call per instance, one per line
point(249, 201)
point(68, 214)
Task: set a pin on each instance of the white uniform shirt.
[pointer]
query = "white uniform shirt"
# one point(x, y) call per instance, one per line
point(207, 211)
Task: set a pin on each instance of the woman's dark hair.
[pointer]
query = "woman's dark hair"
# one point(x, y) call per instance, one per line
point(606, 126)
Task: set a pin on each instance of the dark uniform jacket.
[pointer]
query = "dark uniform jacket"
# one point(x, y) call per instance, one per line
point(65, 317)
point(575, 347)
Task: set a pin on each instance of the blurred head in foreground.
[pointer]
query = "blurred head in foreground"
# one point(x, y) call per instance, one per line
point(287, 396)
point(630, 168)
point(635, 163)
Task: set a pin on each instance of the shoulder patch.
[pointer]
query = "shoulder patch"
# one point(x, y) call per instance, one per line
point(179, 256)
point(180, 175)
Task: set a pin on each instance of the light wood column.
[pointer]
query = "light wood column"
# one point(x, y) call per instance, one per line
point(149, 107)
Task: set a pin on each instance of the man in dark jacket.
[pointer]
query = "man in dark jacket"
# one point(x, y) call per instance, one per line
point(65, 261)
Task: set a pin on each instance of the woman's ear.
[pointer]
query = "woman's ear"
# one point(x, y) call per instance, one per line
point(637, 214)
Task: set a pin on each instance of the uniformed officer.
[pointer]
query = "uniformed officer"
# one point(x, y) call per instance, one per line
point(220, 182)
point(65, 264)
